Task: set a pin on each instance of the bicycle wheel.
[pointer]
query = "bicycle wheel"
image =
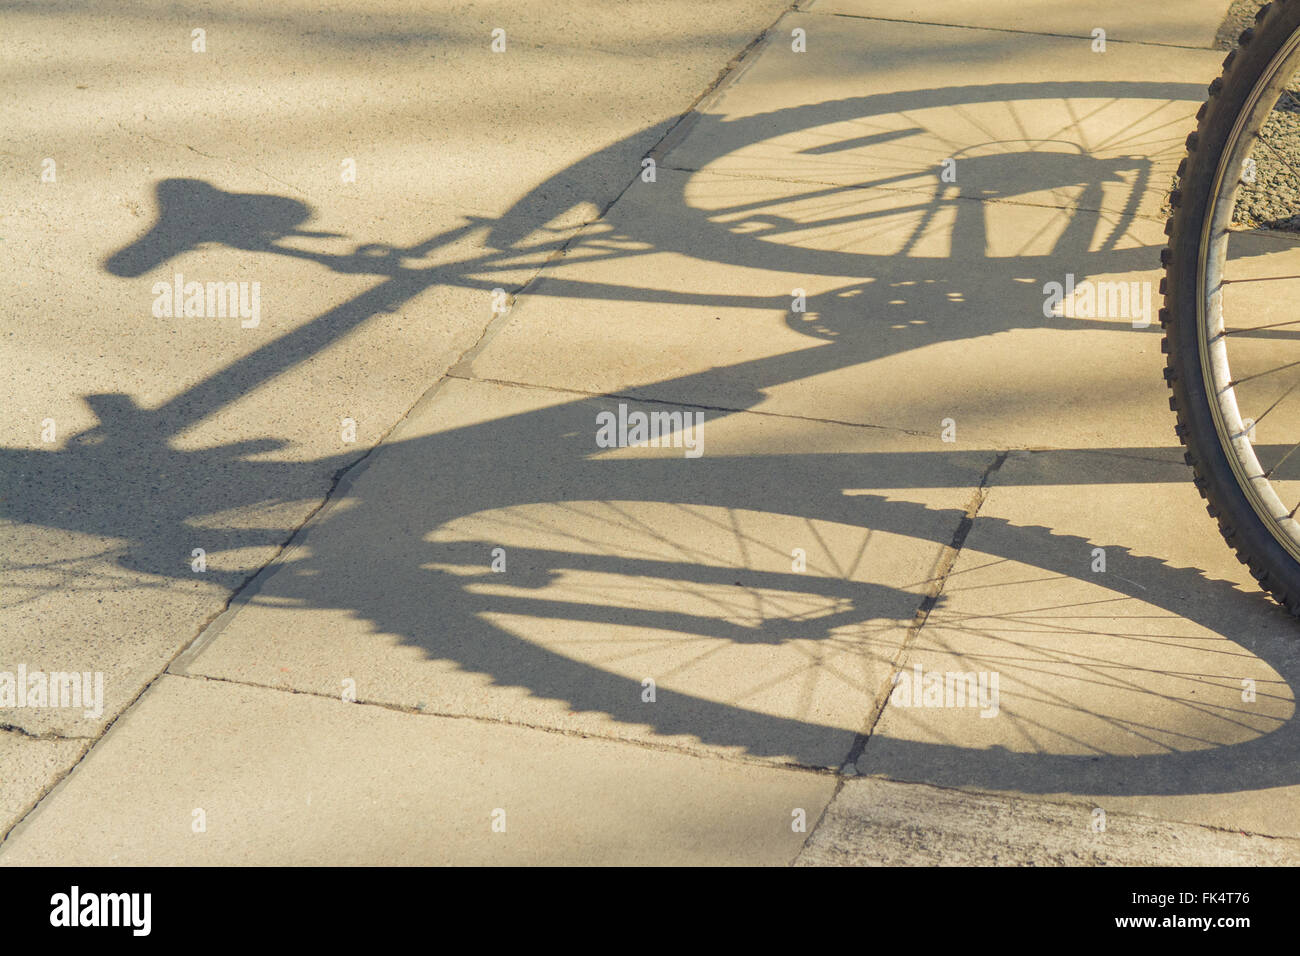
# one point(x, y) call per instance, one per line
point(1232, 272)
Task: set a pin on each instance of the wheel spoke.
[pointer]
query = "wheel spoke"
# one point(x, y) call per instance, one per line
point(1260, 417)
point(1250, 378)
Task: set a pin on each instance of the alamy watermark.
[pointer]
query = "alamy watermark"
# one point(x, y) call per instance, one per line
point(208, 300)
point(638, 429)
point(1098, 300)
point(25, 688)
point(130, 910)
point(918, 688)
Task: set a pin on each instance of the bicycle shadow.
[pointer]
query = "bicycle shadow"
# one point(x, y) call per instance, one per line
point(425, 514)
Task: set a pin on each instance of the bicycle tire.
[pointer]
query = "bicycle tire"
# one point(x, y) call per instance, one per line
point(1252, 533)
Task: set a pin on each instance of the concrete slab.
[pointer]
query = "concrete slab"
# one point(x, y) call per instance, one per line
point(289, 779)
point(763, 587)
point(417, 96)
point(32, 766)
point(1139, 668)
point(1189, 23)
point(879, 823)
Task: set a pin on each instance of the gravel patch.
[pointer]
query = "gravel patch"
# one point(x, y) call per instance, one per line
point(1239, 16)
point(1272, 200)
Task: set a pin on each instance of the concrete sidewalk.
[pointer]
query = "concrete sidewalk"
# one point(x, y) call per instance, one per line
point(436, 619)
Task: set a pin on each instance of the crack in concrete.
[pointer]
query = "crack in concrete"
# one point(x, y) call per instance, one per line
point(408, 711)
point(624, 396)
point(46, 735)
point(939, 577)
point(1030, 33)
